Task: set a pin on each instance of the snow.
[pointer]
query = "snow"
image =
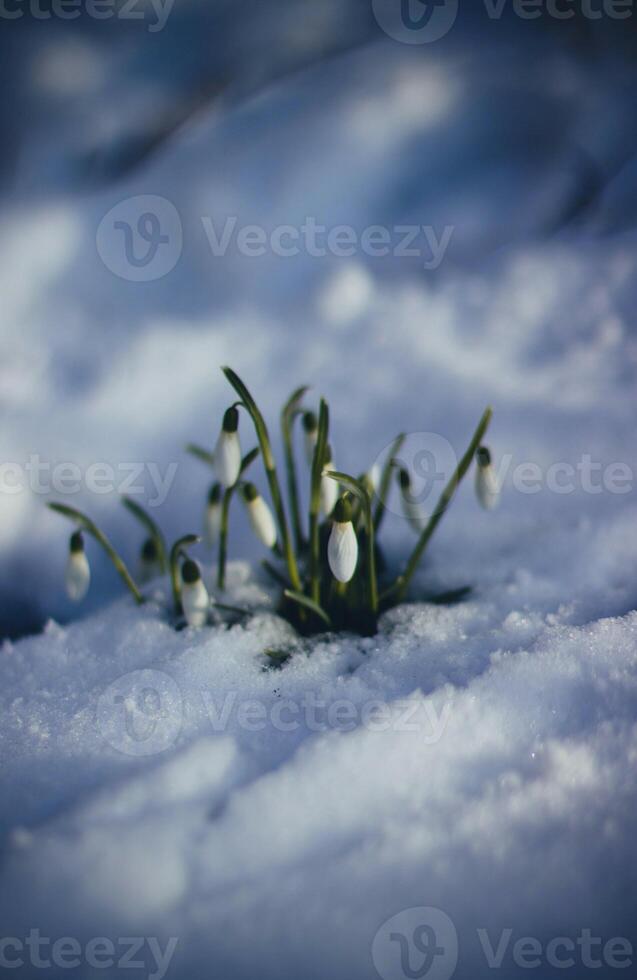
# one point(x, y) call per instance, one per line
point(477, 759)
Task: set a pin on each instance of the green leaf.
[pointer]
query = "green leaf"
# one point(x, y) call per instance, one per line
point(385, 481)
point(306, 603)
point(204, 455)
point(270, 469)
point(290, 411)
point(318, 463)
point(401, 584)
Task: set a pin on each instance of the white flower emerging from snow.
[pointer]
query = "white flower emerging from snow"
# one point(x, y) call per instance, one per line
point(342, 547)
point(227, 455)
point(412, 508)
point(78, 572)
point(194, 595)
point(310, 428)
point(149, 564)
point(260, 516)
point(329, 487)
point(487, 486)
point(212, 517)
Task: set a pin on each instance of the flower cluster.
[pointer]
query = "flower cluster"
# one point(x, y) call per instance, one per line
point(330, 567)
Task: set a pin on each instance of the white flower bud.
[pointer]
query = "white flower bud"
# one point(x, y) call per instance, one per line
point(342, 550)
point(328, 489)
point(78, 572)
point(195, 600)
point(487, 485)
point(412, 509)
point(260, 516)
point(227, 454)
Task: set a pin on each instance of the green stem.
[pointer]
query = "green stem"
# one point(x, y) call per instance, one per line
point(223, 539)
point(289, 413)
point(402, 582)
point(179, 546)
point(152, 528)
point(318, 462)
point(225, 516)
point(385, 482)
point(92, 529)
point(268, 461)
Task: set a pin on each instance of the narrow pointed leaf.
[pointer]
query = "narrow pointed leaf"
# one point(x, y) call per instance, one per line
point(402, 582)
point(385, 481)
point(204, 455)
point(270, 469)
point(306, 603)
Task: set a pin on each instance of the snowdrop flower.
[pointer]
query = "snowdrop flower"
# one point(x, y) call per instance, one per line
point(487, 486)
point(260, 516)
point(78, 572)
point(227, 454)
point(149, 564)
point(342, 547)
point(329, 487)
point(194, 595)
point(412, 509)
point(212, 518)
point(310, 427)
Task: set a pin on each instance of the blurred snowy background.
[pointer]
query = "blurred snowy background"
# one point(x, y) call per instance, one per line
point(520, 137)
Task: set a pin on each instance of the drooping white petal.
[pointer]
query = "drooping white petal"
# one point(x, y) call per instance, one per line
point(212, 524)
point(342, 551)
point(78, 576)
point(416, 515)
point(262, 521)
point(196, 603)
point(487, 487)
point(227, 458)
point(329, 491)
